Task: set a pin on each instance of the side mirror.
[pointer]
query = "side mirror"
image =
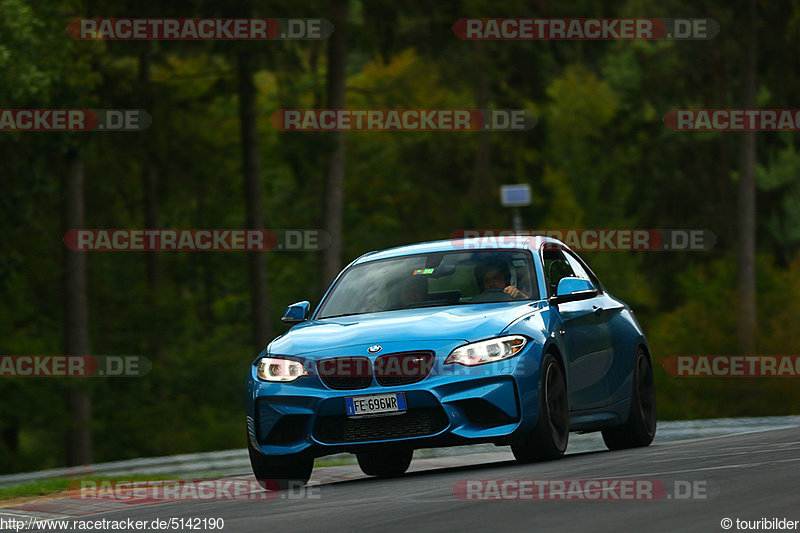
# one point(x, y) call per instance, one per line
point(297, 312)
point(572, 290)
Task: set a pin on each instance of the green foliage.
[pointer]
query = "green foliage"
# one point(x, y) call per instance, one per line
point(780, 179)
point(705, 324)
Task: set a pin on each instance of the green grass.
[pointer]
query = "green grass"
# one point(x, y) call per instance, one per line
point(36, 488)
point(55, 485)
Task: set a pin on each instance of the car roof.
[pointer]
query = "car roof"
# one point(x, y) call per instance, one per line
point(499, 242)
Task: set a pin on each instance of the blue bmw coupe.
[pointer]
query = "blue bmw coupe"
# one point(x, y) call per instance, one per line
point(446, 343)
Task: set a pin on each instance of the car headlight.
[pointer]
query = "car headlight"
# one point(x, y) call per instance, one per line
point(479, 353)
point(278, 369)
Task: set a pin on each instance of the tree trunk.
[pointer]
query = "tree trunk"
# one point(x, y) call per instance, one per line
point(334, 179)
point(76, 315)
point(254, 200)
point(747, 196)
point(482, 187)
point(149, 170)
point(724, 216)
point(10, 435)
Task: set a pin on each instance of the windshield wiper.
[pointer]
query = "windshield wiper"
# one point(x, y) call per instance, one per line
point(343, 314)
point(431, 304)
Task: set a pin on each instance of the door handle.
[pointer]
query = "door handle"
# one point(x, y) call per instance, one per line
point(597, 310)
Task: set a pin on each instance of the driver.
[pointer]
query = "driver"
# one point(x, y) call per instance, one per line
point(493, 276)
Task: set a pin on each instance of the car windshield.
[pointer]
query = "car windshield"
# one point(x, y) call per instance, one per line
point(435, 279)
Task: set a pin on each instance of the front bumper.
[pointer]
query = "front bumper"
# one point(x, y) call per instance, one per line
point(453, 405)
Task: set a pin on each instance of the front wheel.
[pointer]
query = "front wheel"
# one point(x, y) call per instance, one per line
point(388, 462)
point(549, 438)
point(278, 472)
point(640, 428)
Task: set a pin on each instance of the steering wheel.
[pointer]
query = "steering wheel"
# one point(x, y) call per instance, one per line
point(491, 292)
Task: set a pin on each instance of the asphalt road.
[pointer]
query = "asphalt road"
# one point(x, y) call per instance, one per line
point(747, 476)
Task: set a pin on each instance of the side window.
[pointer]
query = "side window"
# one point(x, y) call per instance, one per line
point(522, 272)
point(556, 266)
point(579, 271)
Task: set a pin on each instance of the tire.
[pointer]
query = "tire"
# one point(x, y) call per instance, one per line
point(549, 438)
point(640, 428)
point(279, 472)
point(386, 462)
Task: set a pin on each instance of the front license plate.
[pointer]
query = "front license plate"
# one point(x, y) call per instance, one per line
point(376, 404)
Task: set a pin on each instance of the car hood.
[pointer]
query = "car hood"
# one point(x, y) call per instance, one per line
point(462, 323)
